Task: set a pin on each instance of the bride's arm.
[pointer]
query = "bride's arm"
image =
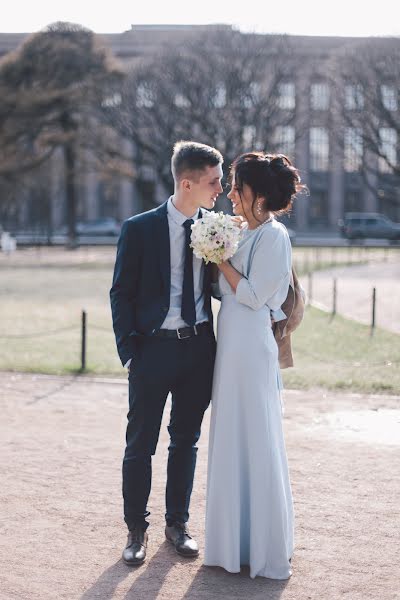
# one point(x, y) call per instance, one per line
point(231, 274)
point(269, 273)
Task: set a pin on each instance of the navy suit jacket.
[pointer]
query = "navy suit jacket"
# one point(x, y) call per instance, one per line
point(140, 294)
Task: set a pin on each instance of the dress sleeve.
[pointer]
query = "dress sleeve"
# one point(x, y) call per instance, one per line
point(267, 282)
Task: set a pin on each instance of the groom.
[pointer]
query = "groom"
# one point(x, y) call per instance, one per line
point(161, 309)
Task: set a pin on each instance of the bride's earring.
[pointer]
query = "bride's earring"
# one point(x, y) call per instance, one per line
point(258, 209)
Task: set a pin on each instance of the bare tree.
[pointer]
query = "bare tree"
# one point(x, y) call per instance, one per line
point(220, 88)
point(53, 91)
point(366, 77)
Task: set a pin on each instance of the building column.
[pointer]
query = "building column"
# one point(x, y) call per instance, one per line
point(91, 197)
point(128, 200)
point(302, 128)
point(370, 195)
point(57, 189)
point(336, 190)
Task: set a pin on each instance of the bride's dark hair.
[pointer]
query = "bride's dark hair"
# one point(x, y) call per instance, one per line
point(269, 176)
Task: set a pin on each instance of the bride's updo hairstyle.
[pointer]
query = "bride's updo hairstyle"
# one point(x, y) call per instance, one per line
point(269, 176)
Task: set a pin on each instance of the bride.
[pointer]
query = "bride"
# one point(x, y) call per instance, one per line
point(249, 513)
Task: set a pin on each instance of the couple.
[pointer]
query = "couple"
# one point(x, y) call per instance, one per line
point(161, 308)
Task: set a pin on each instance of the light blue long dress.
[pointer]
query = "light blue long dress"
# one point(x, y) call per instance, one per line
point(249, 512)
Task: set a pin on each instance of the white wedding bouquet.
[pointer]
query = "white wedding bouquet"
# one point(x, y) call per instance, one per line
point(215, 237)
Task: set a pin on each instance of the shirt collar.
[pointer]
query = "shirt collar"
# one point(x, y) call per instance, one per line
point(176, 215)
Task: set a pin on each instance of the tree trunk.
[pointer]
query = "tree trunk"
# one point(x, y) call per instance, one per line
point(70, 194)
point(69, 127)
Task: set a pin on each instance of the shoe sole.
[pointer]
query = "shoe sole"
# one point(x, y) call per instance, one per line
point(133, 564)
point(180, 553)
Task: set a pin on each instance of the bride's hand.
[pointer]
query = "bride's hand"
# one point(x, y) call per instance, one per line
point(238, 221)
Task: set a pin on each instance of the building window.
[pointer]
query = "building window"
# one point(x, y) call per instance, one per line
point(388, 148)
point(285, 140)
point(108, 195)
point(319, 149)
point(181, 101)
point(353, 97)
point(389, 97)
point(249, 137)
point(319, 96)
point(147, 193)
point(219, 100)
point(144, 96)
point(112, 101)
point(389, 205)
point(352, 202)
point(252, 97)
point(286, 96)
point(318, 208)
point(353, 149)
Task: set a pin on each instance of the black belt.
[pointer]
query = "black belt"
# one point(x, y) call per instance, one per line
point(184, 332)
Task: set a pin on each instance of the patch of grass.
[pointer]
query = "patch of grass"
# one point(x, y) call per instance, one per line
point(42, 301)
point(309, 259)
point(336, 354)
point(304, 269)
point(341, 354)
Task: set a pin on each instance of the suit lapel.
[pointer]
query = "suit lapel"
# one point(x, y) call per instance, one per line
point(164, 245)
point(165, 251)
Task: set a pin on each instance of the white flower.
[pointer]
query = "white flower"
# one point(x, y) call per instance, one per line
point(215, 237)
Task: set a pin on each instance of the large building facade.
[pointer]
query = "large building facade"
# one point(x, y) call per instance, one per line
point(330, 167)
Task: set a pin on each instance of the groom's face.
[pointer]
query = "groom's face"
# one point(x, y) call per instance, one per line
point(206, 187)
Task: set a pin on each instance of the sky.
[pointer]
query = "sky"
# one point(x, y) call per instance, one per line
point(306, 17)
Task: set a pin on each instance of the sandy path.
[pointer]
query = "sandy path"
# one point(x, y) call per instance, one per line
point(61, 528)
point(354, 292)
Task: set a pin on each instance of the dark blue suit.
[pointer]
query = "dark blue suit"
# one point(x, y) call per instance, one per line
point(140, 298)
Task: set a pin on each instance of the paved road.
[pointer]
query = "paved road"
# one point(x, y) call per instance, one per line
point(61, 532)
point(354, 292)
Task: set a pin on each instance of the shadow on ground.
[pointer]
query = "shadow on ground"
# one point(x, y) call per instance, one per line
point(208, 582)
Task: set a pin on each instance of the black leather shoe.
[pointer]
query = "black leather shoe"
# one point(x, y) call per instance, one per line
point(178, 534)
point(135, 550)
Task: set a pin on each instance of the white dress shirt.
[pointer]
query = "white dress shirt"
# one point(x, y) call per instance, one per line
point(173, 320)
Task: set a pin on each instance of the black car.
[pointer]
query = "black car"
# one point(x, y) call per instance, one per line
point(106, 226)
point(369, 225)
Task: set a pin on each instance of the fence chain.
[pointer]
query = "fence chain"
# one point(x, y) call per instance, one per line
point(38, 334)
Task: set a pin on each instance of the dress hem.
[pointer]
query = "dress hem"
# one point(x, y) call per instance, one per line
point(252, 575)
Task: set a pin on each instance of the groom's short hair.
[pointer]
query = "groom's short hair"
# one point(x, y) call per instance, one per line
point(189, 157)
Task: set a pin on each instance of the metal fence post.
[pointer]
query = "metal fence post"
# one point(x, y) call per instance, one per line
point(83, 342)
point(310, 287)
point(334, 297)
point(373, 310)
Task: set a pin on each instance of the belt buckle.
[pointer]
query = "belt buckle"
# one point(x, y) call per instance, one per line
point(180, 337)
point(185, 337)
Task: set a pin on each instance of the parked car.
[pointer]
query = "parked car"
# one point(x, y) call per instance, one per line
point(369, 225)
point(100, 227)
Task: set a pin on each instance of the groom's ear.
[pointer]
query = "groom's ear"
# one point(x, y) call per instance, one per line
point(186, 185)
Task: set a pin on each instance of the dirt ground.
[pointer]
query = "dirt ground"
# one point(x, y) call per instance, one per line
point(62, 532)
